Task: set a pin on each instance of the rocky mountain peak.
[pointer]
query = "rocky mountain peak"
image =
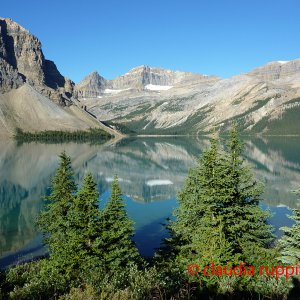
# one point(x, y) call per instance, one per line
point(138, 69)
point(92, 77)
point(22, 60)
point(91, 86)
point(140, 78)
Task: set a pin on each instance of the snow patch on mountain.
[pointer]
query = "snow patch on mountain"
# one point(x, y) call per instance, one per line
point(153, 87)
point(110, 91)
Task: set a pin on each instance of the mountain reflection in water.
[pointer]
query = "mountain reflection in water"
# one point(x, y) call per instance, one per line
point(150, 171)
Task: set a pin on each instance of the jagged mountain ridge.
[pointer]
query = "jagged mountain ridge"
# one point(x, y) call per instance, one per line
point(137, 79)
point(261, 100)
point(33, 94)
point(148, 100)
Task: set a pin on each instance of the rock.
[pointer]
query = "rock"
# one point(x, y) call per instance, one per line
point(142, 76)
point(28, 83)
point(277, 70)
point(138, 79)
point(150, 99)
point(91, 86)
point(155, 101)
point(9, 77)
point(22, 60)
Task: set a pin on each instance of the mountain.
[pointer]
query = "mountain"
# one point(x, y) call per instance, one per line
point(147, 100)
point(33, 94)
point(136, 80)
point(156, 101)
point(91, 86)
point(277, 70)
point(21, 55)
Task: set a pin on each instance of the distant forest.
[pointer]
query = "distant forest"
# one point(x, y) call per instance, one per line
point(94, 135)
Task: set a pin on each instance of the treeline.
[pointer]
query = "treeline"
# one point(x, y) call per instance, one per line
point(218, 220)
point(120, 127)
point(94, 135)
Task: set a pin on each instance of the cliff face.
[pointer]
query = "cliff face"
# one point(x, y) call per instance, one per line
point(10, 78)
point(277, 70)
point(22, 60)
point(142, 76)
point(34, 96)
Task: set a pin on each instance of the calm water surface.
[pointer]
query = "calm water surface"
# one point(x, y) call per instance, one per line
point(150, 170)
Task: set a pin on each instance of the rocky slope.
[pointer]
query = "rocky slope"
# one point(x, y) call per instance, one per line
point(33, 94)
point(152, 100)
point(27, 109)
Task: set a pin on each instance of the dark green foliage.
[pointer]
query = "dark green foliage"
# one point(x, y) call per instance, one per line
point(37, 280)
point(290, 242)
point(219, 204)
point(221, 191)
point(86, 245)
point(94, 135)
point(263, 286)
point(117, 232)
point(287, 124)
point(92, 255)
point(120, 127)
point(243, 219)
point(84, 228)
point(53, 221)
point(78, 234)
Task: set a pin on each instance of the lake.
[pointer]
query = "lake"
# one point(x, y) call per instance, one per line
point(151, 171)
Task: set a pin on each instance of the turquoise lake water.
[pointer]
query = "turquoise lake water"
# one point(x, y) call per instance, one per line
point(151, 171)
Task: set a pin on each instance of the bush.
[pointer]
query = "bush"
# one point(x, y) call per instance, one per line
point(36, 280)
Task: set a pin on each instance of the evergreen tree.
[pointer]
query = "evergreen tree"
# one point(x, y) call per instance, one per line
point(118, 229)
point(289, 244)
point(53, 221)
point(85, 227)
point(243, 220)
point(219, 204)
point(197, 211)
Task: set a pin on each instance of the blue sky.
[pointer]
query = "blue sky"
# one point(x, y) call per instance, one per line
point(220, 37)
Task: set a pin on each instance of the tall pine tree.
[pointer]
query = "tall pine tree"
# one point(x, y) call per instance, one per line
point(53, 221)
point(219, 204)
point(289, 244)
point(85, 227)
point(243, 220)
point(118, 229)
